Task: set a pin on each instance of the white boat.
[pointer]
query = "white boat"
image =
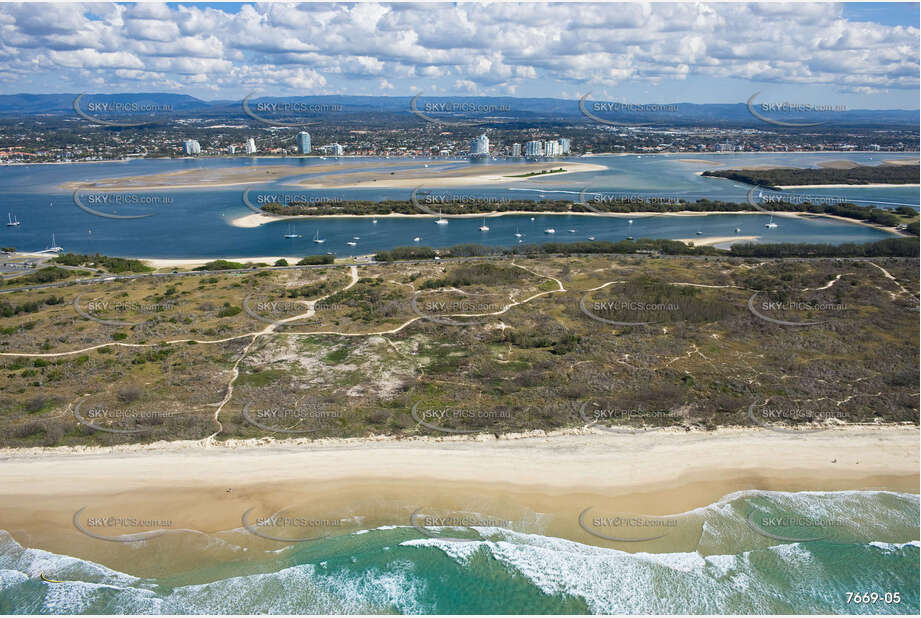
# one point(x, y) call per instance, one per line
point(317, 239)
point(591, 238)
point(699, 233)
point(355, 238)
point(373, 220)
point(54, 248)
point(416, 239)
point(517, 233)
point(484, 227)
point(770, 224)
point(292, 233)
point(738, 229)
point(351, 243)
point(630, 221)
point(441, 220)
point(13, 222)
point(550, 230)
point(572, 231)
point(532, 218)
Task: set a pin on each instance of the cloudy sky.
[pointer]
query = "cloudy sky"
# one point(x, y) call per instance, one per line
point(858, 55)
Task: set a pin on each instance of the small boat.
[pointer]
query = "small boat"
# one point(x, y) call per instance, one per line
point(630, 221)
point(770, 224)
point(317, 239)
point(517, 233)
point(532, 218)
point(351, 243)
point(416, 239)
point(355, 238)
point(440, 220)
point(373, 220)
point(699, 233)
point(292, 233)
point(738, 229)
point(550, 230)
point(572, 231)
point(13, 221)
point(629, 237)
point(484, 227)
point(591, 238)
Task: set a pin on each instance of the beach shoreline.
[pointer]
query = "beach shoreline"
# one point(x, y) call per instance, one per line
point(554, 473)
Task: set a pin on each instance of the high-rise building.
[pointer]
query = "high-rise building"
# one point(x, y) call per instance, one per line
point(516, 150)
point(191, 147)
point(534, 149)
point(479, 146)
point(250, 146)
point(551, 149)
point(565, 145)
point(336, 150)
point(231, 149)
point(303, 142)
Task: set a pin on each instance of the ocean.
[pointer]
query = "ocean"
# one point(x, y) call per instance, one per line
point(842, 542)
point(196, 223)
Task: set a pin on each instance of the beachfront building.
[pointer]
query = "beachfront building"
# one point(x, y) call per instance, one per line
point(250, 146)
point(192, 147)
point(551, 149)
point(231, 149)
point(337, 150)
point(303, 142)
point(516, 150)
point(565, 145)
point(534, 149)
point(479, 146)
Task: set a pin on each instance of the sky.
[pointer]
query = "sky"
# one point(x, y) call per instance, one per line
point(859, 55)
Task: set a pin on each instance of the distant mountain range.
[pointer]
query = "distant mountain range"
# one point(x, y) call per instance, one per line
point(509, 109)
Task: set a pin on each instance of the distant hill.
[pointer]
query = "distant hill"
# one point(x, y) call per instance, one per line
point(509, 109)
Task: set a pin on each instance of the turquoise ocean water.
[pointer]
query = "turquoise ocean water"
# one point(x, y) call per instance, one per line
point(734, 568)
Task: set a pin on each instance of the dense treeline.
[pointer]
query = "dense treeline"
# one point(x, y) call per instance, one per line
point(111, 264)
point(871, 214)
point(860, 175)
point(889, 247)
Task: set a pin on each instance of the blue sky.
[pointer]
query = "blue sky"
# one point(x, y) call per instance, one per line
point(860, 55)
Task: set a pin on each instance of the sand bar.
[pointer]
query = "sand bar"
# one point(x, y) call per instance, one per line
point(470, 176)
point(213, 177)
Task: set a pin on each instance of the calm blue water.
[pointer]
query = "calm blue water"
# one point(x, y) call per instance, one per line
point(396, 569)
point(196, 223)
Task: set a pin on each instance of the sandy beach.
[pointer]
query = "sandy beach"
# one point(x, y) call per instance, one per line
point(471, 176)
point(702, 241)
point(655, 473)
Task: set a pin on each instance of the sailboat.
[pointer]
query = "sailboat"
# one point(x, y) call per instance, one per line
point(13, 222)
point(517, 233)
point(291, 233)
point(54, 248)
point(484, 227)
point(770, 224)
point(317, 239)
point(441, 220)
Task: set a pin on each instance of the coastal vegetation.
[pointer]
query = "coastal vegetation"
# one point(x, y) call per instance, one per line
point(859, 175)
point(528, 354)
